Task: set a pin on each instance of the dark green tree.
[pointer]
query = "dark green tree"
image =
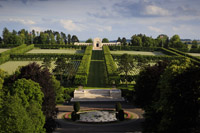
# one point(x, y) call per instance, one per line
point(69, 39)
point(89, 40)
point(136, 41)
point(105, 40)
point(126, 64)
point(46, 63)
point(194, 44)
point(124, 41)
point(119, 39)
point(74, 39)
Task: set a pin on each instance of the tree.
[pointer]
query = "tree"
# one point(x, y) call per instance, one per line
point(42, 76)
point(60, 68)
point(194, 44)
point(124, 41)
point(46, 63)
point(74, 39)
point(1, 40)
point(69, 39)
point(64, 37)
point(105, 40)
point(126, 65)
point(119, 39)
point(175, 42)
point(14, 117)
point(6, 36)
point(146, 91)
point(162, 40)
point(179, 97)
point(136, 41)
point(89, 40)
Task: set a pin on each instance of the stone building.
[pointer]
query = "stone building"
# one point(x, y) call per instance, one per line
point(97, 44)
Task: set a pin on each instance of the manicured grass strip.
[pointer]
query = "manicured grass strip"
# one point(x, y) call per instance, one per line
point(96, 75)
point(97, 55)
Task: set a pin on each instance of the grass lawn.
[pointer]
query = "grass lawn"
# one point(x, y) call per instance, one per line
point(11, 66)
point(3, 50)
point(194, 54)
point(61, 51)
point(96, 75)
point(137, 52)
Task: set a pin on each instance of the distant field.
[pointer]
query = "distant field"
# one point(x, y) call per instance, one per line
point(62, 51)
point(194, 54)
point(3, 50)
point(11, 66)
point(137, 52)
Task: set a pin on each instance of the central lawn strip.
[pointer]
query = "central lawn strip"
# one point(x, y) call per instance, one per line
point(97, 55)
point(96, 75)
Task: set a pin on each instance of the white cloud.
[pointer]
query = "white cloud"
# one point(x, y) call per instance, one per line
point(23, 21)
point(71, 26)
point(155, 29)
point(155, 10)
point(39, 29)
point(104, 28)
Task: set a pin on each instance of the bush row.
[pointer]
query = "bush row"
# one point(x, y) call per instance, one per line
point(8, 45)
point(151, 57)
point(83, 70)
point(193, 59)
point(195, 50)
point(111, 67)
point(46, 55)
point(169, 52)
point(5, 56)
point(134, 48)
point(57, 46)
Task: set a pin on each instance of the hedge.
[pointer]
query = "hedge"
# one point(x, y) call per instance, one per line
point(111, 67)
point(134, 48)
point(192, 58)
point(195, 50)
point(57, 46)
point(5, 56)
point(151, 57)
point(83, 70)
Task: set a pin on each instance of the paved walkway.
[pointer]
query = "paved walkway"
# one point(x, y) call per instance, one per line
point(130, 126)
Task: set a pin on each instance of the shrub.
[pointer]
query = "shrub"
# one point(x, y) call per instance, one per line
point(118, 106)
point(76, 106)
point(121, 115)
point(75, 116)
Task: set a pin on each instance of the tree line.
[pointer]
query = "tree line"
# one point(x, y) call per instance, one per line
point(34, 37)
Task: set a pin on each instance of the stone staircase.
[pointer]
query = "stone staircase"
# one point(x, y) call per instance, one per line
point(97, 95)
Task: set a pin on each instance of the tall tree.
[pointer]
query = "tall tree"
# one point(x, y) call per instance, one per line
point(69, 39)
point(194, 44)
point(74, 39)
point(124, 41)
point(89, 40)
point(46, 63)
point(136, 41)
point(6, 36)
point(119, 39)
point(42, 76)
point(105, 40)
point(126, 65)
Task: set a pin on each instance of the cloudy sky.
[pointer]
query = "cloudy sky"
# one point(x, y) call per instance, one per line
point(104, 18)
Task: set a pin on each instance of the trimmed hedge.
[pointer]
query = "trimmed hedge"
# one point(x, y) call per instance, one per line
point(195, 50)
point(111, 67)
point(5, 56)
point(192, 58)
point(57, 46)
point(83, 70)
point(134, 48)
point(46, 55)
point(151, 57)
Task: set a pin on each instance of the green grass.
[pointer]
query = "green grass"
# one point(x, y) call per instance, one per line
point(96, 76)
point(3, 50)
point(62, 51)
point(11, 66)
point(137, 52)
